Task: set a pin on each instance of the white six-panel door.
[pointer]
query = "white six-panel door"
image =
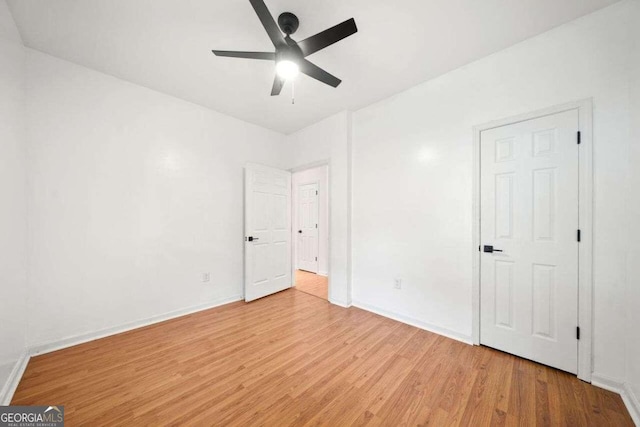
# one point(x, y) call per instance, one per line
point(307, 247)
point(529, 211)
point(267, 231)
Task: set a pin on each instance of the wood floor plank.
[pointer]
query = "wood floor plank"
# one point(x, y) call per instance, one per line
point(312, 284)
point(292, 359)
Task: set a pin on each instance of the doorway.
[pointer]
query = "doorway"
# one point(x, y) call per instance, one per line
point(310, 237)
point(532, 237)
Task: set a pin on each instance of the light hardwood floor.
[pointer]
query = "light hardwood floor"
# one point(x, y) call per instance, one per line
point(294, 359)
point(313, 284)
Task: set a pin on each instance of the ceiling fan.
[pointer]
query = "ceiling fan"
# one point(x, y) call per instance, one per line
point(290, 55)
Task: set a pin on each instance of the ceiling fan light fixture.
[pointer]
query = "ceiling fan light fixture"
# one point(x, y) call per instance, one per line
point(287, 69)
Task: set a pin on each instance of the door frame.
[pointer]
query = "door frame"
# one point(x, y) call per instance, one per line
point(294, 254)
point(295, 221)
point(585, 223)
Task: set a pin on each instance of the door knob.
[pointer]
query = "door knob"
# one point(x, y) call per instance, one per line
point(490, 249)
point(251, 238)
point(300, 231)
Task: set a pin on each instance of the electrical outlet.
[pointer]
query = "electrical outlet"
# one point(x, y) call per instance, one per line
point(397, 284)
point(206, 277)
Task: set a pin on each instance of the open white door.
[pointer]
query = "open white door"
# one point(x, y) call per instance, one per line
point(307, 249)
point(267, 215)
point(529, 231)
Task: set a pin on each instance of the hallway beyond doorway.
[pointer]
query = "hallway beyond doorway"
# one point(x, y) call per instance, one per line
point(312, 284)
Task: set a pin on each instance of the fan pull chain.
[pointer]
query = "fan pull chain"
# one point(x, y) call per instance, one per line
point(293, 92)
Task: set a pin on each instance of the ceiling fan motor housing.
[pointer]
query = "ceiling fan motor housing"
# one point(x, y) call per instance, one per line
point(288, 22)
point(289, 53)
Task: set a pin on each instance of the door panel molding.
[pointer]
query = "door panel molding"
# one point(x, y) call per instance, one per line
point(585, 248)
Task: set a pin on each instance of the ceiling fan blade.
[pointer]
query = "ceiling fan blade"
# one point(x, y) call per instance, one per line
point(318, 73)
point(268, 23)
point(328, 37)
point(278, 82)
point(270, 56)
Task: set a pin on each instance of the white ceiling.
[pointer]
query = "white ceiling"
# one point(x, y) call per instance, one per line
point(166, 45)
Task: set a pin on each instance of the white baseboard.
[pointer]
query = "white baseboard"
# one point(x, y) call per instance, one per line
point(323, 273)
point(48, 347)
point(623, 389)
point(340, 303)
point(608, 383)
point(415, 322)
point(9, 388)
point(632, 403)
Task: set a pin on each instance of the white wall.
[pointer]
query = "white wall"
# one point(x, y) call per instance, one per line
point(329, 140)
point(412, 175)
point(8, 30)
point(308, 176)
point(13, 226)
point(133, 195)
point(633, 266)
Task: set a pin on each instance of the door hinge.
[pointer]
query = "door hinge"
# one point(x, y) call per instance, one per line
point(316, 192)
point(316, 258)
point(579, 235)
point(579, 137)
point(577, 332)
point(316, 225)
